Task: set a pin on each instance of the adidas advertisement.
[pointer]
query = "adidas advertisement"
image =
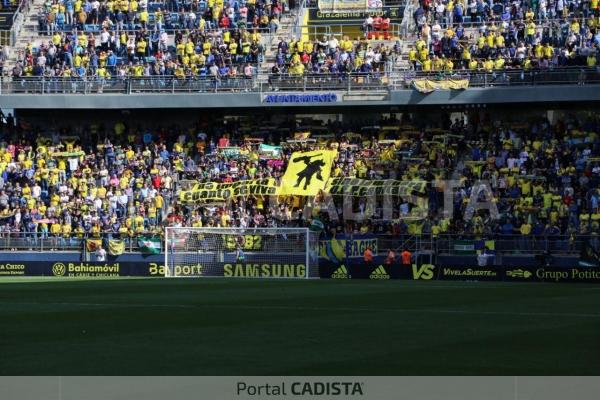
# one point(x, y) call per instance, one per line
point(430, 272)
point(379, 273)
point(340, 273)
point(328, 269)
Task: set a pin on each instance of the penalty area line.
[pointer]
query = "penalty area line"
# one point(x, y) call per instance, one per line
point(303, 308)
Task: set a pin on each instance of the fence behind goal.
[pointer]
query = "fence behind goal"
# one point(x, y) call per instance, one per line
point(241, 252)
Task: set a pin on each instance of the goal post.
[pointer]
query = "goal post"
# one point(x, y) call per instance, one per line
point(241, 252)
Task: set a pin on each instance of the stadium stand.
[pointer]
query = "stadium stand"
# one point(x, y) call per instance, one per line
point(94, 40)
point(123, 181)
point(476, 35)
point(68, 185)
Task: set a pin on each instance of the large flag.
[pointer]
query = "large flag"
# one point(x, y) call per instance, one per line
point(464, 246)
point(149, 245)
point(307, 173)
point(93, 244)
point(116, 247)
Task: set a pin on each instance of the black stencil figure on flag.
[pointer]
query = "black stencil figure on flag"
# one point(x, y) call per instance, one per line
point(312, 167)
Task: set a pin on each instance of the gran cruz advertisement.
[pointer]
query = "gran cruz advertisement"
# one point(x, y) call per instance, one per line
point(330, 15)
point(12, 269)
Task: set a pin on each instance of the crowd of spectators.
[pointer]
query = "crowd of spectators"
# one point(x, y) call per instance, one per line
point(503, 35)
point(59, 184)
point(333, 56)
point(118, 15)
point(544, 176)
point(121, 180)
point(477, 12)
point(118, 39)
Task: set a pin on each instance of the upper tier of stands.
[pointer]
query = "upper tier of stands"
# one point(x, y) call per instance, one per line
point(75, 38)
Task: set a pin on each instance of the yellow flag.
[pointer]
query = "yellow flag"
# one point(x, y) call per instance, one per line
point(307, 173)
point(93, 244)
point(116, 247)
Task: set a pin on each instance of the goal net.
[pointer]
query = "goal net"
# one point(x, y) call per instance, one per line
point(241, 252)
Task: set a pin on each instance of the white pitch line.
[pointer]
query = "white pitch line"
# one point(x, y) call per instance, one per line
point(302, 308)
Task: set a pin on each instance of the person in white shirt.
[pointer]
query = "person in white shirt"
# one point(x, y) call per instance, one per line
point(482, 259)
point(368, 24)
point(104, 39)
point(100, 254)
point(332, 44)
point(36, 191)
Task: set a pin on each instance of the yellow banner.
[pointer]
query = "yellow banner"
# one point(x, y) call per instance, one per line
point(307, 173)
point(213, 191)
point(116, 247)
point(429, 85)
point(380, 187)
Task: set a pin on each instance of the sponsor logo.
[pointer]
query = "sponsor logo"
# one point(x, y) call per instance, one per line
point(340, 273)
point(327, 389)
point(379, 273)
point(583, 274)
point(179, 270)
point(300, 389)
point(85, 269)
point(59, 269)
point(469, 272)
point(573, 274)
point(301, 98)
point(12, 269)
point(518, 273)
point(392, 12)
point(265, 270)
point(424, 272)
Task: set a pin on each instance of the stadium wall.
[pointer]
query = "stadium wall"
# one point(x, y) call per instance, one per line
point(547, 94)
point(462, 268)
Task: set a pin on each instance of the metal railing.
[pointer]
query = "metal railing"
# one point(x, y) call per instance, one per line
point(8, 37)
point(508, 77)
point(45, 242)
point(343, 82)
point(446, 244)
point(497, 23)
point(316, 32)
point(512, 244)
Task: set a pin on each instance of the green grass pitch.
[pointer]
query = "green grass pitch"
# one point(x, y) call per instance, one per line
point(294, 327)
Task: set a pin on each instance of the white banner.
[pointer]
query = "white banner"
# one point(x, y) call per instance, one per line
point(341, 5)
